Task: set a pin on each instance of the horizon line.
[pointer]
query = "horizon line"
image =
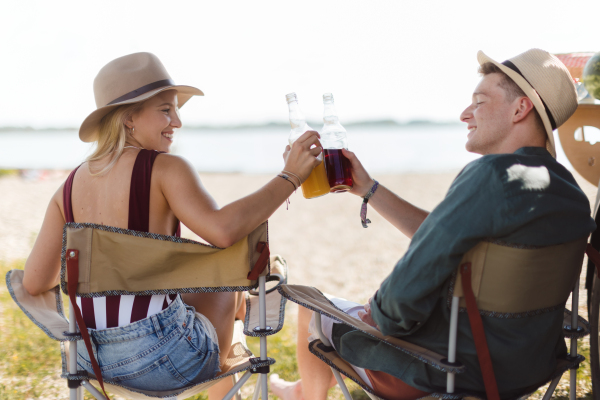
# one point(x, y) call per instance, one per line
point(270, 124)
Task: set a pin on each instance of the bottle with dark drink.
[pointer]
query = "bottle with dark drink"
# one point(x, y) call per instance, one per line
point(316, 184)
point(334, 139)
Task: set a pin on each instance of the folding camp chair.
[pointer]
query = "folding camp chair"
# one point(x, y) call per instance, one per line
point(114, 261)
point(584, 154)
point(493, 280)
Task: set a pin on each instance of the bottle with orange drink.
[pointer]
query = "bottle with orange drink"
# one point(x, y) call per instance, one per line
point(317, 183)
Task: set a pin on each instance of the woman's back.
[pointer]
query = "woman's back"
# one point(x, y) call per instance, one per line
point(105, 199)
point(101, 196)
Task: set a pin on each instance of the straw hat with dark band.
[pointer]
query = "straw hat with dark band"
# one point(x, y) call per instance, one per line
point(126, 80)
point(546, 81)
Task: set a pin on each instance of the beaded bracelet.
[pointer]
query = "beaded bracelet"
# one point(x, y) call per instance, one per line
point(363, 208)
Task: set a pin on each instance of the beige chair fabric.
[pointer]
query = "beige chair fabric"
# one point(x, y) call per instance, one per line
point(510, 280)
point(120, 261)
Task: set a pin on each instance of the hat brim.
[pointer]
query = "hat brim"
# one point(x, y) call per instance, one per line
point(529, 92)
point(88, 132)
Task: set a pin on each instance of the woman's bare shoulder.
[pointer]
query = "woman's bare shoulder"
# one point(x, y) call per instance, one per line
point(172, 168)
point(166, 162)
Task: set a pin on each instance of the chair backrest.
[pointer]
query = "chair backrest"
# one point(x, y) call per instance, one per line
point(115, 261)
point(509, 280)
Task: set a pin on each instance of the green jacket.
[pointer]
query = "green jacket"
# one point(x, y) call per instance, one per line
point(521, 198)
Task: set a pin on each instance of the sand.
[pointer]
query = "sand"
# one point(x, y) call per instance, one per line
point(322, 239)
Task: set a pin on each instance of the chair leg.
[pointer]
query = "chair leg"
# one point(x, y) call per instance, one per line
point(574, 325)
point(262, 317)
point(238, 394)
point(452, 342)
point(256, 389)
point(341, 383)
point(551, 388)
point(326, 342)
point(92, 390)
point(233, 391)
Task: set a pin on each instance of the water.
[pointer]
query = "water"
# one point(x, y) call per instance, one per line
point(381, 149)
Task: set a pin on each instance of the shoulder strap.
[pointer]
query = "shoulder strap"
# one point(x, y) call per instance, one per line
point(483, 352)
point(139, 192)
point(67, 205)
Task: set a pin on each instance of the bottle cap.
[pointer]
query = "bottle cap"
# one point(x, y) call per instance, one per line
point(291, 97)
point(327, 98)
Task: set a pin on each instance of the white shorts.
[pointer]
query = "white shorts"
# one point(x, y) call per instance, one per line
point(349, 307)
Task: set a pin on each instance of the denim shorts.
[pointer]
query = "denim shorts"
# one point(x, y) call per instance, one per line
point(167, 351)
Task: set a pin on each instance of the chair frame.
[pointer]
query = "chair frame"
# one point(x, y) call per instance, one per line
point(246, 261)
point(573, 333)
point(75, 393)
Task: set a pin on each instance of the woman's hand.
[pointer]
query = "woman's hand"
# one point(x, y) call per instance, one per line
point(361, 181)
point(300, 158)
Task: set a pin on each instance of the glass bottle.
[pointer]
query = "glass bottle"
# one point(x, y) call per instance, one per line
point(334, 139)
point(316, 185)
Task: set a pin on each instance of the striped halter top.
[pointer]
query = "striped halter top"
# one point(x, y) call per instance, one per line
point(113, 311)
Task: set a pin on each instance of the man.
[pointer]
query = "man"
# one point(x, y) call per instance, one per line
point(516, 194)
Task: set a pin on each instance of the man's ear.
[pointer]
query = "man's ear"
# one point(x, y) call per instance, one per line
point(523, 106)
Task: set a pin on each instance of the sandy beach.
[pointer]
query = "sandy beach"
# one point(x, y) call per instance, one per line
point(321, 239)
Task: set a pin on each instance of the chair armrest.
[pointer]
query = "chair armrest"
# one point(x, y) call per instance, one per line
point(275, 302)
point(314, 300)
point(45, 310)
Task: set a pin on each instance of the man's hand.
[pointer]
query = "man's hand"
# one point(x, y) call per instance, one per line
point(366, 317)
point(361, 181)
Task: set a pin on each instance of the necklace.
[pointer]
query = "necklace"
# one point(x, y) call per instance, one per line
point(133, 147)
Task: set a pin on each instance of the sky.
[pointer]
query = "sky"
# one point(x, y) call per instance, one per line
point(400, 60)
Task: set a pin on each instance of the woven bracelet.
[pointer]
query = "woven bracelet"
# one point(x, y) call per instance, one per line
point(363, 208)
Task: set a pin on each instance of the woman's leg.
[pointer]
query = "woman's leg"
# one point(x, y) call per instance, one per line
point(316, 375)
point(220, 309)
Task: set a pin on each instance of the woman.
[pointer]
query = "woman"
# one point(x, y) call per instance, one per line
point(133, 127)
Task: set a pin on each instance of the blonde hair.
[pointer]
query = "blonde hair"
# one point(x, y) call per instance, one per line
point(112, 136)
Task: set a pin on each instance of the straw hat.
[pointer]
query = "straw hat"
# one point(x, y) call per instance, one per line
point(546, 81)
point(126, 80)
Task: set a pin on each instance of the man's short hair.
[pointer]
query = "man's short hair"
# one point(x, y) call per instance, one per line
point(510, 87)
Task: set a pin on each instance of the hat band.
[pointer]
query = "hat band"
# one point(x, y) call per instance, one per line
point(144, 89)
point(512, 66)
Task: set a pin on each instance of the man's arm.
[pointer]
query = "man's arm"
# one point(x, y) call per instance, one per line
point(472, 210)
point(404, 216)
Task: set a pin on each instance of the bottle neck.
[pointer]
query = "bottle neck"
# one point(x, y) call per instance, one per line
point(297, 119)
point(329, 113)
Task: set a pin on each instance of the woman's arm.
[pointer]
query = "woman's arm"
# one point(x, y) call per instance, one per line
point(406, 217)
point(43, 264)
point(224, 226)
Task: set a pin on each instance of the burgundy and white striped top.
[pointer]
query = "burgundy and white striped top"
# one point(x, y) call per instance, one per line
point(113, 311)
